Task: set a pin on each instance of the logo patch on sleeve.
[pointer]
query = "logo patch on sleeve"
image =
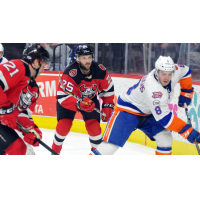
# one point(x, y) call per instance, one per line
point(102, 67)
point(157, 95)
point(73, 72)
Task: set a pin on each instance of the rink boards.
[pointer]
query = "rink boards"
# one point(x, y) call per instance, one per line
point(45, 112)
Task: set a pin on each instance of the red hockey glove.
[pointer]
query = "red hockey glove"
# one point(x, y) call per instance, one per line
point(107, 109)
point(30, 138)
point(8, 116)
point(87, 108)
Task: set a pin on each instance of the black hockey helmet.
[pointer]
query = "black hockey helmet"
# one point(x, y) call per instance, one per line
point(83, 50)
point(35, 51)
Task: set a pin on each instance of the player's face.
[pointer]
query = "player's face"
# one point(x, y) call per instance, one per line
point(1, 53)
point(165, 77)
point(86, 61)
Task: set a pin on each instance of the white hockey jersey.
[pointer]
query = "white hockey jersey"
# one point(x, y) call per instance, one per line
point(148, 96)
point(3, 60)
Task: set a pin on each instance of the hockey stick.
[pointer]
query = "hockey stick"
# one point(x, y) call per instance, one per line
point(78, 98)
point(40, 141)
point(188, 117)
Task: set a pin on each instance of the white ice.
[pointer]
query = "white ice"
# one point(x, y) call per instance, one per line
point(78, 144)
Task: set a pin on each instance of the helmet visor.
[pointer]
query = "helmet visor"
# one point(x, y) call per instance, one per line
point(47, 62)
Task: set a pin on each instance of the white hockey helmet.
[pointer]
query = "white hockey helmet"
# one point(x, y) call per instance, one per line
point(165, 63)
point(1, 48)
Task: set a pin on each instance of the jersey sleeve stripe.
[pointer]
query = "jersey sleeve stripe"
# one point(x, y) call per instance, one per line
point(106, 94)
point(124, 109)
point(61, 93)
point(186, 83)
point(3, 80)
point(188, 74)
point(128, 105)
point(109, 87)
point(167, 120)
point(63, 99)
point(176, 125)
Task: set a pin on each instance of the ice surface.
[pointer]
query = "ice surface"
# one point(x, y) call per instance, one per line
point(78, 144)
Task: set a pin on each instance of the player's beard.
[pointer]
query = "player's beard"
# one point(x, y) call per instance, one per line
point(84, 68)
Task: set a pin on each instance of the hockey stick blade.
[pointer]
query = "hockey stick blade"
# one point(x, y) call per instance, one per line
point(78, 98)
point(40, 141)
point(188, 117)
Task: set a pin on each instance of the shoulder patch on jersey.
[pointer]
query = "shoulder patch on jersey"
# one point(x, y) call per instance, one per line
point(176, 67)
point(157, 95)
point(73, 72)
point(102, 67)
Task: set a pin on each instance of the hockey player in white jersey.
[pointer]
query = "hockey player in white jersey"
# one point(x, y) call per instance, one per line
point(144, 106)
point(2, 59)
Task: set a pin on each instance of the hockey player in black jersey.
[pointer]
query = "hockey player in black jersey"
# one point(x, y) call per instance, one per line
point(87, 79)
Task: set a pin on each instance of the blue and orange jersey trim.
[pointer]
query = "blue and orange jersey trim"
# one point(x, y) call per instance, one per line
point(128, 107)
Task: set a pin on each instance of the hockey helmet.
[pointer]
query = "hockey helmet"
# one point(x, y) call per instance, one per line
point(83, 50)
point(35, 51)
point(165, 63)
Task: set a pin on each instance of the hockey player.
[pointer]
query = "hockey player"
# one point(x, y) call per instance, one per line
point(86, 79)
point(2, 59)
point(19, 92)
point(144, 106)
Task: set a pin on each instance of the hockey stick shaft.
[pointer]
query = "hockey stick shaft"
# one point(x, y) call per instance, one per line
point(78, 98)
point(40, 141)
point(188, 117)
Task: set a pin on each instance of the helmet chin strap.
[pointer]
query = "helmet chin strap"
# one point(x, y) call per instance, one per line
point(156, 75)
point(37, 70)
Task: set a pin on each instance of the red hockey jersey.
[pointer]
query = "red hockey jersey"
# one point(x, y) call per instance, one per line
point(14, 76)
point(97, 83)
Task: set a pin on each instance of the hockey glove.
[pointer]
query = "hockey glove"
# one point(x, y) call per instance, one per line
point(107, 109)
point(190, 134)
point(30, 138)
point(8, 116)
point(185, 97)
point(87, 108)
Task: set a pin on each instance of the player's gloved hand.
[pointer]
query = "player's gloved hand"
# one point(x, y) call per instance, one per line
point(185, 97)
point(190, 134)
point(30, 138)
point(8, 115)
point(87, 108)
point(107, 109)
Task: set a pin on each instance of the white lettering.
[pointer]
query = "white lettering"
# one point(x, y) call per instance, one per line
point(36, 108)
point(40, 109)
point(41, 87)
point(50, 89)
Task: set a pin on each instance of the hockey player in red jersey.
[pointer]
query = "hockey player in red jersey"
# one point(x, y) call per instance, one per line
point(19, 92)
point(144, 106)
point(89, 80)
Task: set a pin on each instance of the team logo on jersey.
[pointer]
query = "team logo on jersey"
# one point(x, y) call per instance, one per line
point(73, 72)
point(102, 67)
point(25, 99)
point(88, 92)
point(157, 95)
point(156, 103)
